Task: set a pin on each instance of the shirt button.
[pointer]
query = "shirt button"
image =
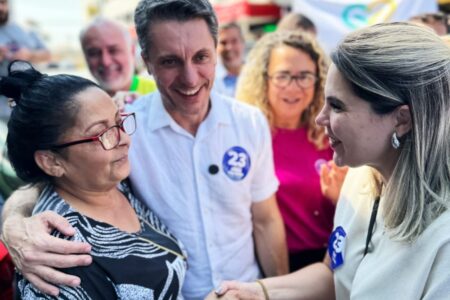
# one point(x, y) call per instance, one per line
point(316, 213)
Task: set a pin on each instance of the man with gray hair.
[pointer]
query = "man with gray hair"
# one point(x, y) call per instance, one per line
point(203, 162)
point(231, 48)
point(109, 52)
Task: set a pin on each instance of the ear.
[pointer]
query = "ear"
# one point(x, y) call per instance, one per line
point(49, 162)
point(403, 120)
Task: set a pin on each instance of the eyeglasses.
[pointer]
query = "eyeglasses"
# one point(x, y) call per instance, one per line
point(110, 137)
point(282, 80)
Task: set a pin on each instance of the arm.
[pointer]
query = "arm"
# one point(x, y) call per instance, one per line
point(270, 238)
point(34, 56)
point(314, 282)
point(34, 251)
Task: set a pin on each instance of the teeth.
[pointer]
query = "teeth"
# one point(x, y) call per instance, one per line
point(189, 92)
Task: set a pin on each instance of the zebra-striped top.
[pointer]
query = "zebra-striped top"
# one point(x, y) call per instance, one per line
point(149, 264)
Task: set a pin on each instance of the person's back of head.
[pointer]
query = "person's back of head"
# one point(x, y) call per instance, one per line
point(43, 110)
point(437, 21)
point(149, 12)
point(109, 53)
point(389, 68)
point(296, 21)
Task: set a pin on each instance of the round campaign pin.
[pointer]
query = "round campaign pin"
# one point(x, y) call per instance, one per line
point(236, 163)
point(336, 247)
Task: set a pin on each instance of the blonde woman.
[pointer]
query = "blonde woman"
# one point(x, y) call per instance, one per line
point(387, 107)
point(284, 76)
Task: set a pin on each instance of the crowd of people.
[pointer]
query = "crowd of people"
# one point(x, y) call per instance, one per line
point(277, 174)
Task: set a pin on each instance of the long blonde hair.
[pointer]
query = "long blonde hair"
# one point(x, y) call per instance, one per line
point(395, 64)
point(252, 84)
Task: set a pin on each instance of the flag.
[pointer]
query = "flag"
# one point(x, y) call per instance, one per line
point(335, 18)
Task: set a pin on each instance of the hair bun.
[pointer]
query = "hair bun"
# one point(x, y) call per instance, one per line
point(21, 75)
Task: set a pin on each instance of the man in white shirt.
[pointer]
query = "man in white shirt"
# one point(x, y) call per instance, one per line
point(231, 50)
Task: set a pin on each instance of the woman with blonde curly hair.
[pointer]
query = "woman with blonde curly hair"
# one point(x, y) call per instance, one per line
point(284, 76)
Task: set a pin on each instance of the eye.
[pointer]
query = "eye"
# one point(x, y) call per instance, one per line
point(201, 57)
point(168, 62)
point(336, 107)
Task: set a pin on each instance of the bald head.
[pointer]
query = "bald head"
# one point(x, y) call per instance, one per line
point(109, 53)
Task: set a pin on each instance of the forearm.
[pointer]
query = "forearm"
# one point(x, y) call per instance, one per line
point(312, 282)
point(20, 203)
point(38, 56)
point(270, 239)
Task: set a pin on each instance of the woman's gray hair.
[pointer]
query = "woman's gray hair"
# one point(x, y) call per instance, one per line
point(253, 82)
point(149, 12)
point(395, 64)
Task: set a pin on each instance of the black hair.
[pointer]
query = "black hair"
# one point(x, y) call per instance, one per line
point(44, 108)
point(149, 12)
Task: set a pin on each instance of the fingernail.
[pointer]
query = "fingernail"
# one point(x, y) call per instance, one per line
point(218, 290)
point(76, 282)
point(54, 293)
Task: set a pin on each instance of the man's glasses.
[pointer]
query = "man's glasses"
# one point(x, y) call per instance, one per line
point(110, 137)
point(282, 80)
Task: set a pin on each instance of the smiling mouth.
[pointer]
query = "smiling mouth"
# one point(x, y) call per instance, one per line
point(190, 92)
point(293, 101)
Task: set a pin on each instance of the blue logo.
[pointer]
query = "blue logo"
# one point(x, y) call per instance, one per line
point(336, 247)
point(236, 163)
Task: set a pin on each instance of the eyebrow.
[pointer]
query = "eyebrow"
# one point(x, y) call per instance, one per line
point(101, 122)
point(334, 99)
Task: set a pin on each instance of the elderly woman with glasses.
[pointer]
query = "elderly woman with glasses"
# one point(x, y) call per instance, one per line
point(66, 135)
point(284, 76)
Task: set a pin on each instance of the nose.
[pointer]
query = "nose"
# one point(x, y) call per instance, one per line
point(323, 118)
point(125, 139)
point(190, 75)
point(106, 58)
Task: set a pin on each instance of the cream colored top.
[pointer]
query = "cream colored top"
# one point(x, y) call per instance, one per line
point(391, 270)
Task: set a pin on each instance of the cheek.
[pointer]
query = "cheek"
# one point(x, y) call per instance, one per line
point(272, 95)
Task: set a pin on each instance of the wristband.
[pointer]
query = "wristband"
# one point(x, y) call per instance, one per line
point(266, 294)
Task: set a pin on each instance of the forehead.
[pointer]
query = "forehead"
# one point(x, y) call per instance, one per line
point(94, 104)
point(284, 56)
point(179, 38)
point(104, 35)
point(229, 32)
point(339, 87)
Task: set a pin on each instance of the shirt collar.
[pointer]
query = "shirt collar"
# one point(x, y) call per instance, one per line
point(158, 117)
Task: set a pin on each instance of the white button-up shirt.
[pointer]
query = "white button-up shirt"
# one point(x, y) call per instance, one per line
point(203, 187)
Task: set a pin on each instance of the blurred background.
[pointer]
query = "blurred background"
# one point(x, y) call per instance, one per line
point(59, 23)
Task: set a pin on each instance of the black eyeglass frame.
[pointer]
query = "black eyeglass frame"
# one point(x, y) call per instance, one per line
point(98, 136)
point(296, 78)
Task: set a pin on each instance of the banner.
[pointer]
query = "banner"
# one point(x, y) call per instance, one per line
point(335, 18)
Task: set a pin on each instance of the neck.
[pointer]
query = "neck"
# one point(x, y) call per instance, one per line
point(387, 167)
point(86, 199)
point(293, 123)
point(234, 70)
point(189, 121)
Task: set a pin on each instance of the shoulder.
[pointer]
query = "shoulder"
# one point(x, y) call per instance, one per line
point(239, 112)
point(49, 200)
point(143, 103)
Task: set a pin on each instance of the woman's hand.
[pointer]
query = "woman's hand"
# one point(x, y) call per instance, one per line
point(231, 290)
point(36, 253)
point(331, 180)
point(123, 98)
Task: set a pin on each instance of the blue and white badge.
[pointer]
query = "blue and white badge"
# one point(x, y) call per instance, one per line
point(336, 247)
point(236, 163)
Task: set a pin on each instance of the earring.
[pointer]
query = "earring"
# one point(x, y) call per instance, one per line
point(395, 141)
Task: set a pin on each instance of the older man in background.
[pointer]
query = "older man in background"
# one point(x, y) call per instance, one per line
point(109, 52)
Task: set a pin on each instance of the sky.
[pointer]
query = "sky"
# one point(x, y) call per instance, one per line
point(60, 20)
